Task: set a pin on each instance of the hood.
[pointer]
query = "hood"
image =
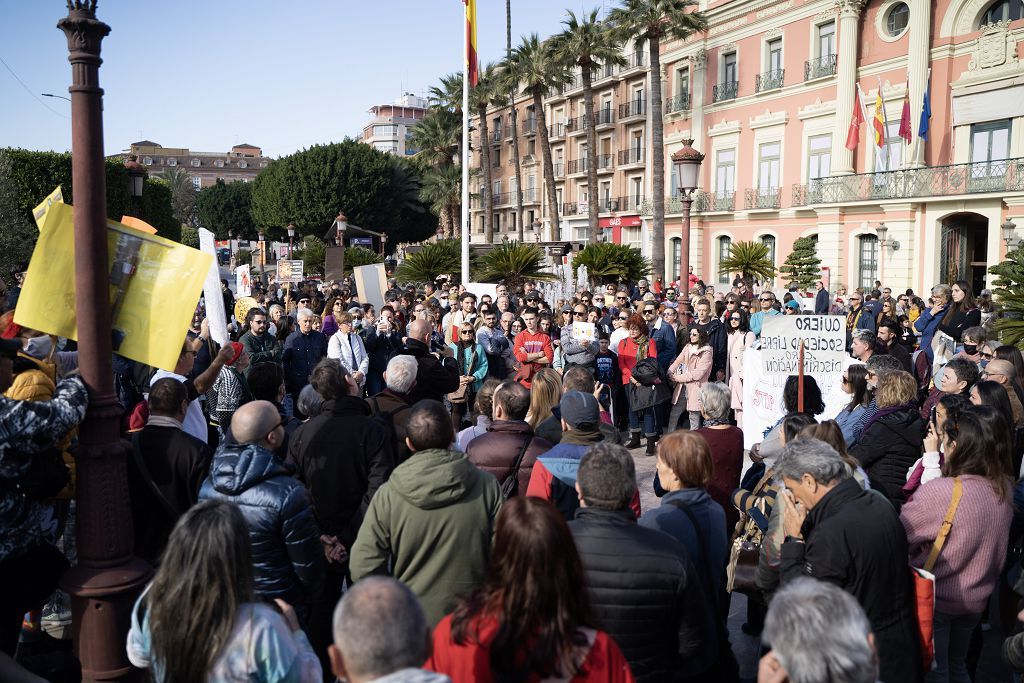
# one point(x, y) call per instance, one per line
point(433, 478)
point(563, 461)
point(239, 467)
point(511, 427)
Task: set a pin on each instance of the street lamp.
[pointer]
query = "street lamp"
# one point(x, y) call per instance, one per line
point(687, 166)
point(136, 181)
point(263, 255)
point(291, 238)
point(340, 226)
point(59, 97)
point(1009, 235)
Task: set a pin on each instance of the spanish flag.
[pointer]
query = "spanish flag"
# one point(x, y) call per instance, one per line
point(471, 62)
point(879, 120)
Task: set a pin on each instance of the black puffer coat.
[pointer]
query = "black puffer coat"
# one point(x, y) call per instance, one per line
point(646, 594)
point(890, 444)
point(286, 552)
point(435, 376)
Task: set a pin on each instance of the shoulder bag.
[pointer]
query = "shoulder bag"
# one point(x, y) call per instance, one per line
point(924, 582)
point(510, 487)
point(741, 572)
point(461, 395)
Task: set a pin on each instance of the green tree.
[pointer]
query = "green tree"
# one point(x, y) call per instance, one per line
point(226, 209)
point(505, 95)
point(183, 195)
point(437, 137)
point(648, 22)
point(312, 252)
point(587, 43)
point(513, 263)
point(607, 262)
point(157, 209)
point(750, 260)
point(442, 192)
point(443, 257)
point(802, 267)
point(360, 256)
point(1010, 273)
point(18, 233)
point(448, 95)
point(190, 238)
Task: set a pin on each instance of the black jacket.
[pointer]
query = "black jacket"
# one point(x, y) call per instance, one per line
point(718, 340)
point(301, 354)
point(888, 447)
point(435, 376)
point(343, 456)
point(855, 540)
point(897, 351)
point(646, 594)
point(821, 303)
point(960, 322)
point(381, 347)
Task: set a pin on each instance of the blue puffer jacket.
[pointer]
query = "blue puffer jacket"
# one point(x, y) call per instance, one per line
point(286, 552)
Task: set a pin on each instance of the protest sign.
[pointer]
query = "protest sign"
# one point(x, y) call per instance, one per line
point(481, 288)
point(334, 259)
point(215, 313)
point(243, 306)
point(39, 213)
point(371, 283)
point(289, 270)
point(138, 224)
point(155, 284)
point(584, 332)
point(243, 281)
point(824, 338)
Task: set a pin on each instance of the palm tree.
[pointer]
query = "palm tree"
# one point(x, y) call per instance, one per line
point(448, 95)
point(648, 21)
point(511, 79)
point(442, 192)
point(513, 263)
point(480, 97)
point(608, 262)
point(433, 259)
point(587, 43)
point(538, 70)
point(183, 195)
point(750, 260)
point(437, 137)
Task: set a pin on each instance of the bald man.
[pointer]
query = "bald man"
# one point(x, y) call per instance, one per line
point(436, 375)
point(1003, 372)
point(286, 552)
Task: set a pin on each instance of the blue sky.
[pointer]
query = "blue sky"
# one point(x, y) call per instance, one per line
point(208, 74)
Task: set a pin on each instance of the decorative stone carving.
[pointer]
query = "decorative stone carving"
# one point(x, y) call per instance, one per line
point(850, 7)
point(769, 118)
point(773, 33)
point(992, 48)
point(699, 59)
point(817, 108)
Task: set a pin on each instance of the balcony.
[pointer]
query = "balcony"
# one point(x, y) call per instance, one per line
point(577, 166)
point(577, 126)
point(556, 130)
point(633, 108)
point(1001, 176)
point(605, 162)
point(628, 203)
point(637, 60)
point(600, 73)
point(569, 209)
point(725, 91)
point(706, 202)
point(531, 195)
point(505, 199)
point(496, 136)
point(529, 126)
point(770, 80)
point(677, 103)
point(558, 169)
point(605, 117)
point(634, 155)
point(820, 67)
point(762, 198)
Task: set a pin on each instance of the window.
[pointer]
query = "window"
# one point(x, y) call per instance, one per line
point(496, 191)
point(819, 156)
point(172, 161)
point(219, 163)
point(677, 252)
point(196, 162)
point(768, 167)
point(631, 236)
point(197, 182)
point(531, 146)
point(867, 261)
point(605, 195)
point(682, 81)
point(496, 222)
point(495, 157)
point(990, 146)
point(897, 19)
point(637, 190)
point(827, 39)
point(1003, 10)
point(512, 222)
point(724, 249)
point(481, 228)
point(725, 173)
point(147, 161)
point(775, 54)
point(890, 156)
point(769, 241)
point(385, 131)
point(531, 189)
point(729, 71)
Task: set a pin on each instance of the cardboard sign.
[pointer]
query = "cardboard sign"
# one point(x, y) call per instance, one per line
point(215, 313)
point(39, 213)
point(289, 270)
point(243, 281)
point(333, 262)
point(371, 283)
point(824, 338)
point(584, 332)
point(481, 288)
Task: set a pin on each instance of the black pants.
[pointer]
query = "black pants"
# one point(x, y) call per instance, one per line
point(25, 581)
point(321, 614)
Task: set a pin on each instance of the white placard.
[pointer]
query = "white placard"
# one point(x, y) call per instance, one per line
point(212, 293)
point(371, 283)
point(481, 288)
point(584, 332)
point(824, 338)
point(243, 281)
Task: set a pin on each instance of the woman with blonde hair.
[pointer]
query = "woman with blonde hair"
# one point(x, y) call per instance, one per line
point(545, 393)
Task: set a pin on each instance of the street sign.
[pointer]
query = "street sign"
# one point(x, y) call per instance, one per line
point(366, 242)
point(289, 270)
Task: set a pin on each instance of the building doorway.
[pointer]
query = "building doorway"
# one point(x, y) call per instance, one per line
point(964, 250)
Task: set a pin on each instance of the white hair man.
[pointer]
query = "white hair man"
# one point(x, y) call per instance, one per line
point(303, 349)
point(399, 379)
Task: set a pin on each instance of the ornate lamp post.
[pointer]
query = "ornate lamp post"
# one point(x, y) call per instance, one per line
point(1009, 229)
point(687, 165)
point(108, 578)
point(136, 182)
point(263, 254)
point(340, 226)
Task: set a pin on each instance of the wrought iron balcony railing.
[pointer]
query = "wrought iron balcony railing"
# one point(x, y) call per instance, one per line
point(703, 202)
point(1003, 175)
point(630, 203)
point(725, 91)
point(496, 136)
point(605, 162)
point(529, 126)
point(604, 116)
point(678, 103)
point(762, 198)
point(633, 155)
point(633, 108)
point(569, 209)
point(531, 195)
point(558, 168)
point(636, 60)
point(556, 130)
point(770, 80)
point(577, 166)
point(820, 67)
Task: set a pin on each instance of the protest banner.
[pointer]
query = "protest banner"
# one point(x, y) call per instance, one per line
point(215, 313)
point(243, 281)
point(39, 213)
point(481, 288)
point(289, 270)
point(824, 338)
point(371, 283)
point(155, 284)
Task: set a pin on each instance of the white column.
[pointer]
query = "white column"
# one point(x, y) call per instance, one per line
point(698, 85)
point(917, 68)
point(849, 18)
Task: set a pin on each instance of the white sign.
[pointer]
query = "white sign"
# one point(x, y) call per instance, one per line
point(212, 292)
point(481, 288)
point(243, 281)
point(584, 332)
point(371, 283)
point(824, 338)
point(762, 395)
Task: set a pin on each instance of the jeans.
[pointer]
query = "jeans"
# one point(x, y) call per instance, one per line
point(952, 638)
point(677, 412)
point(650, 423)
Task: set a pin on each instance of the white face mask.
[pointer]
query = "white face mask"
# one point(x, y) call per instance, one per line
point(38, 347)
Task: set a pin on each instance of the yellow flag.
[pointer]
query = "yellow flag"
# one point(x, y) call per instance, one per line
point(39, 213)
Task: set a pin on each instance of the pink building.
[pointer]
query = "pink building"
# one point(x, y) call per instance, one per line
point(768, 94)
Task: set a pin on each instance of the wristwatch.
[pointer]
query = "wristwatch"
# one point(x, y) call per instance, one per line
point(794, 539)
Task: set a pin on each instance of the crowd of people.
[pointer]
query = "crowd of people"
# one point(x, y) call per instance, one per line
point(441, 488)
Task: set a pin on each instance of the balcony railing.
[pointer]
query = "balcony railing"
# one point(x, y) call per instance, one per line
point(558, 168)
point(770, 80)
point(636, 60)
point(633, 108)
point(820, 67)
point(529, 126)
point(531, 195)
point(506, 199)
point(725, 91)
point(577, 166)
point(633, 155)
point(605, 162)
point(605, 116)
point(762, 198)
point(556, 130)
point(496, 135)
point(1004, 175)
point(677, 103)
point(628, 203)
point(605, 71)
point(703, 202)
point(569, 209)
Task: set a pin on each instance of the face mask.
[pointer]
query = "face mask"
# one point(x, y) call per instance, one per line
point(38, 347)
point(599, 305)
point(970, 349)
point(982, 364)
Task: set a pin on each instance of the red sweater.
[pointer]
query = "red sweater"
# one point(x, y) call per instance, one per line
point(536, 342)
point(627, 356)
point(471, 661)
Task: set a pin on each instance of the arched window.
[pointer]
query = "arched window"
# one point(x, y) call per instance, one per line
point(724, 249)
point(867, 261)
point(1002, 10)
point(769, 241)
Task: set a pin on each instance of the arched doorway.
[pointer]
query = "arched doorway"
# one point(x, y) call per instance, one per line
point(963, 249)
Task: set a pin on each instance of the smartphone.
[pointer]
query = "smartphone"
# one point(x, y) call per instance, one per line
point(935, 419)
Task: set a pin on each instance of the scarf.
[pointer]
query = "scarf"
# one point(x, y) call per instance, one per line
point(709, 422)
point(582, 438)
point(887, 411)
point(641, 347)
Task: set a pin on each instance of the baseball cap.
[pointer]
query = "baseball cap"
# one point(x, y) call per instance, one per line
point(580, 410)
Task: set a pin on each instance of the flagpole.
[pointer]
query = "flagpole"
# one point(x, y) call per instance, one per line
point(885, 125)
point(465, 153)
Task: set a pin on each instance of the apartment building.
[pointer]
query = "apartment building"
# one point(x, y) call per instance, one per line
point(391, 125)
point(243, 162)
point(768, 94)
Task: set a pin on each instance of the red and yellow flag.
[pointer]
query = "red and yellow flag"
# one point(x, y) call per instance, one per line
point(471, 62)
point(879, 120)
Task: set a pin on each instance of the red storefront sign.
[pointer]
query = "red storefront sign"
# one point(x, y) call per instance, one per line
point(616, 224)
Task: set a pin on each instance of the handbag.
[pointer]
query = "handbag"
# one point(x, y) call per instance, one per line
point(510, 486)
point(923, 582)
point(461, 395)
point(741, 572)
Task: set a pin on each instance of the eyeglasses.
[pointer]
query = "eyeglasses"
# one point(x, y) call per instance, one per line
point(766, 299)
point(303, 301)
point(623, 318)
point(648, 311)
point(735, 318)
point(987, 356)
point(465, 332)
point(579, 313)
point(854, 298)
point(280, 424)
point(620, 298)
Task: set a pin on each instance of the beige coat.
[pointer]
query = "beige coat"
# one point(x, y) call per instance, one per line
point(690, 371)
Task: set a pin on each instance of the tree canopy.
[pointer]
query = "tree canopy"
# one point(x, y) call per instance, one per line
point(802, 267)
point(226, 209)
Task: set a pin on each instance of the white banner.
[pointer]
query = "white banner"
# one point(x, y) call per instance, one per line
point(824, 338)
point(212, 293)
point(243, 281)
point(481, 288)
point(371, 283)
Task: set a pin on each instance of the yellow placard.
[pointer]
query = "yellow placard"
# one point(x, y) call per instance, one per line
point(155, 285)
point(39, 213)
point(138, 224)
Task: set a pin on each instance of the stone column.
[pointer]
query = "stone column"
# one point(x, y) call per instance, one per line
point(698, 86)
point(917, 69)
point(846, 91)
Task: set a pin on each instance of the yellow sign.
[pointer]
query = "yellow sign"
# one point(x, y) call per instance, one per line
point(138, 224)
point(39, 213)
point(155, 285)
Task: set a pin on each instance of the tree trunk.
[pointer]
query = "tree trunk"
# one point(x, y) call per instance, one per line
point(520, 227)
point(591, 128)
point(485, 162)
point(658, 163)
point(549, 169)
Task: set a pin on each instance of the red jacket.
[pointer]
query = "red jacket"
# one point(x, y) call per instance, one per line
point(627, 356)
point(471, 661)
point(527, 342)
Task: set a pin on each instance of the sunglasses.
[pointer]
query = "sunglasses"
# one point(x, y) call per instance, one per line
point(579, 313)
point(620, 298)
point(735, 318)
point(766, 299)
point(987, 356)
point(623, 318)
point(303, 301)
point(465, 332)
point(648, 311)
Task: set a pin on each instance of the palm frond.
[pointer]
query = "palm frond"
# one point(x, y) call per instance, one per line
point(443, 257)
point(607, 262)
point(513, 262)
